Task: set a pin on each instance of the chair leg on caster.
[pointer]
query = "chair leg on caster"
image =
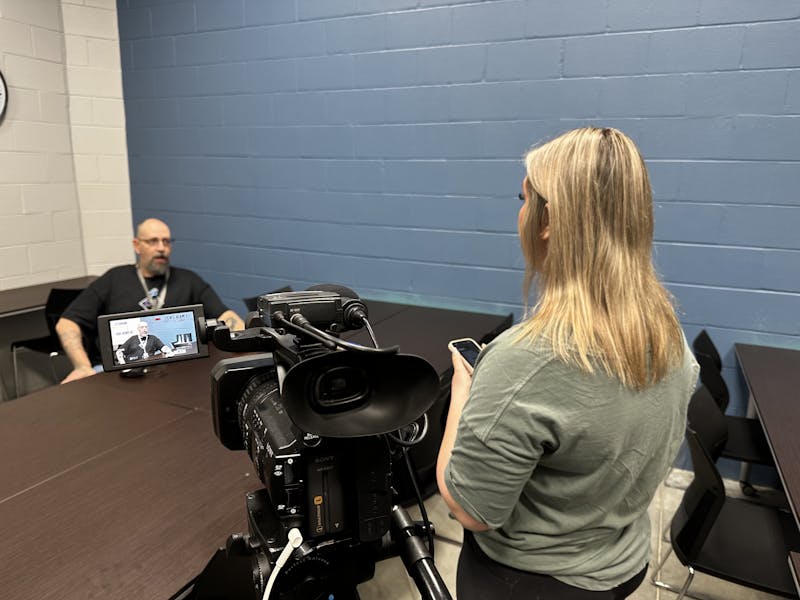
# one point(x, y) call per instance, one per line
point(686, 584)
point(655, 579)
point(744, 479)
point(683, 591)
point(748, 489)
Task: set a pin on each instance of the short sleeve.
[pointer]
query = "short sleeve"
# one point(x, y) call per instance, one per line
point(212, 304)
point(85, 309)
point(204, 294)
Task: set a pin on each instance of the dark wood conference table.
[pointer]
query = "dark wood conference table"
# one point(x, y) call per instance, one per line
point(773, 378)
point(794, 566)
point(33, 297)
point(117, 488)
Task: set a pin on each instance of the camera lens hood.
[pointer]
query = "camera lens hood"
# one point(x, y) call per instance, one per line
point(346, 394)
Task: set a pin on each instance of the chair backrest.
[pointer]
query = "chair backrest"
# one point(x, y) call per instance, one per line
point(707, 420)
point(57, 302)
point(252, 302)
point(712, 379)
point(700, 506)
point(711, 368)
point(702, 344)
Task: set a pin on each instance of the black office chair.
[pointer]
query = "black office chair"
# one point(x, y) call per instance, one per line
point(704, 417)
point(728, 538)
point(252, 302)
point(703, 344)
point(57, 302)
point(729, 435)
point(710, 363)
point(746, 440)
point(712, 379)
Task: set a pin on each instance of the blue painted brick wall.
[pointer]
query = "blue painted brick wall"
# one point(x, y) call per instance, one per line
point(378, 144)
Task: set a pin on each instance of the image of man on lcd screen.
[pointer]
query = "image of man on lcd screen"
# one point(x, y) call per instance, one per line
point(142, 346)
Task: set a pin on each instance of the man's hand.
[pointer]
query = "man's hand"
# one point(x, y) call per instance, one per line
point(79, 373)
point(232, 320)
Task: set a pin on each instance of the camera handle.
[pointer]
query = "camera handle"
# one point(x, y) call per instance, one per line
point(417, 559)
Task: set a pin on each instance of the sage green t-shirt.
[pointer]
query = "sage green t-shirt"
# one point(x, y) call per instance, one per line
point(563, 464)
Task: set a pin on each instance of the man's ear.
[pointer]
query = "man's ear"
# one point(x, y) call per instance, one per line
point(136, 246)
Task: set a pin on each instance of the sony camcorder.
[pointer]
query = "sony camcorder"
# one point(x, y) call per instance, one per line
point(311, 415)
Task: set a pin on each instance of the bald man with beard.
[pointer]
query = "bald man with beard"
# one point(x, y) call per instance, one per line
point(151, 283)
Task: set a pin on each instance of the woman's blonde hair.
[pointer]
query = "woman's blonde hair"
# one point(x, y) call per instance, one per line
point(599, 302)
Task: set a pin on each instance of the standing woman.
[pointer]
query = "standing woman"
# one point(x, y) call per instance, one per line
point(555, 446)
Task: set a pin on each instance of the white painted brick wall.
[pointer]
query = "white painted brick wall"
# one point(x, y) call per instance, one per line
point(33, 73)
point(99, 148)
point(90, 22)
point(64, 192)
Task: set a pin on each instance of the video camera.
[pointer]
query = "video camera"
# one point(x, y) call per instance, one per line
point(325, 423)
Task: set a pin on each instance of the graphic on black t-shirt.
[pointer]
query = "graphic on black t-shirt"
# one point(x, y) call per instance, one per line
point(141, 348)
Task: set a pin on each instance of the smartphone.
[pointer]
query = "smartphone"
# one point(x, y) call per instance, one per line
point(468, 349)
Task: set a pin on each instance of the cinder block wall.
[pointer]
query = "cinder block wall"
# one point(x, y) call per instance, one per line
point(40, 235)
point(64, 193)
point(97, 121)
point(378, 144)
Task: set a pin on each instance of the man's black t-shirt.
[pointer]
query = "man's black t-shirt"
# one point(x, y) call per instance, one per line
point(119, 290)
point(135, 348)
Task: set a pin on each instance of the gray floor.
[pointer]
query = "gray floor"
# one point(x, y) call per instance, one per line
point(391, 581)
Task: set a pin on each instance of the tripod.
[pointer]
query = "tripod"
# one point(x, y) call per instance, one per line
point(240, 570)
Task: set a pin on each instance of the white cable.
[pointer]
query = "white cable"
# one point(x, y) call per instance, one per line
point(295, 539)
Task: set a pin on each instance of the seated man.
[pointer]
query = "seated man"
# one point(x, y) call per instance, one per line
point(149, 284)
point(143, 346)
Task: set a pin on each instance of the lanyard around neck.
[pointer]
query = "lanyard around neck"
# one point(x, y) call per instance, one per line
point(159, 301)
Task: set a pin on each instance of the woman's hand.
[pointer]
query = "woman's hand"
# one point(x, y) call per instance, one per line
point(461, 382)
point(459, 392)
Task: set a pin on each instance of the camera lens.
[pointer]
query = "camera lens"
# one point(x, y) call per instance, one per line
point(340, 388)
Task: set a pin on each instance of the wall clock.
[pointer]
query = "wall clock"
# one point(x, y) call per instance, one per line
point(3, 96)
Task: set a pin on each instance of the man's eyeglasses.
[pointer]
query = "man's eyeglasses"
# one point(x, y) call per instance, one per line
point(154, 241)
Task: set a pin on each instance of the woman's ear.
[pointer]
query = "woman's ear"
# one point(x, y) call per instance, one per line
point(545, 235)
